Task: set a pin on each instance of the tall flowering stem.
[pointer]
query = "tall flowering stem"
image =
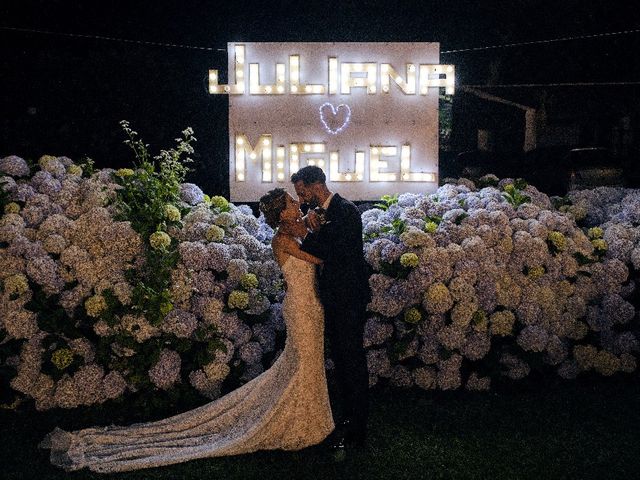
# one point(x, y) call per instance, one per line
point(147, 199)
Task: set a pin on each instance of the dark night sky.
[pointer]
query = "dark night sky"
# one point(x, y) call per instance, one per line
point(65, 96)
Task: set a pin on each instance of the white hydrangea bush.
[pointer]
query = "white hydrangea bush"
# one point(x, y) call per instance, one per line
point(470, 284)
point(70, 331)
point(467, 283)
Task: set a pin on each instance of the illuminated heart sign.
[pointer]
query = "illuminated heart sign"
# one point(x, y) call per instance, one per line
point(334, 120)
point(367, 113)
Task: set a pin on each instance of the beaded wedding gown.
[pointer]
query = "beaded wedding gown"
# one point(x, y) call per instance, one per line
point(286, 407)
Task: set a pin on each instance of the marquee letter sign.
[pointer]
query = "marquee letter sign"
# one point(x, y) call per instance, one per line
point(367, 113)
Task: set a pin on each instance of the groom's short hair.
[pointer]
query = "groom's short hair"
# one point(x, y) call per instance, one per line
point(309, 175)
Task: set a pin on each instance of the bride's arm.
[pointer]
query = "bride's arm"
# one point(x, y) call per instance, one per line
point(289, 246)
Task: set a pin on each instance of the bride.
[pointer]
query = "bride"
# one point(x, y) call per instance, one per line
point(286, 407)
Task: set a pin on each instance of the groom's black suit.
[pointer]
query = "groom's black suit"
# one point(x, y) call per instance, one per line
point(344, 291)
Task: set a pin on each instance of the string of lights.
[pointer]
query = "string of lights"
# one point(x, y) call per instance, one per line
point(195, 47)
point(538, 42)
point(568, 84)
point(113, 39)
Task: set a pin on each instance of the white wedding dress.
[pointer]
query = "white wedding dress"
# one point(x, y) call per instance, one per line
point(286, 407)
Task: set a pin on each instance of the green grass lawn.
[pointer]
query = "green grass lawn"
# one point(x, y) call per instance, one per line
point(546, 430)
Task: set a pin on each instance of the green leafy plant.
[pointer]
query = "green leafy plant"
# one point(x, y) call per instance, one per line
point(153, 184)
point(386, 201)
point(397, 227)
point(460, 217)
point(583, 259)
point(513, 193)
point(88, 167)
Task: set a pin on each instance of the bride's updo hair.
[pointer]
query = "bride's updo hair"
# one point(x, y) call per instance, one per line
point(272, 204)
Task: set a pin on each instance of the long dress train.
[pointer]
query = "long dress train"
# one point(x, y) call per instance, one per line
point(286, 407)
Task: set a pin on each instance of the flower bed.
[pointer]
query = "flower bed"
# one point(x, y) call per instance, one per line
point(130, 280)
point(473, 283)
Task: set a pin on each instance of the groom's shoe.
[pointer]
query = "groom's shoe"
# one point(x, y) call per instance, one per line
point(355, 439)
point(345, 436)
point(336, 439)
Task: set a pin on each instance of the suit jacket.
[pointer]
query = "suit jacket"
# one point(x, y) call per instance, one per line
point(344, 277)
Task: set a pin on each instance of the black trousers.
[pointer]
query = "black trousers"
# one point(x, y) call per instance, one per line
point(344, 326)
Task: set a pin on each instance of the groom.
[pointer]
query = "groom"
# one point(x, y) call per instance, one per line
point(336, 238)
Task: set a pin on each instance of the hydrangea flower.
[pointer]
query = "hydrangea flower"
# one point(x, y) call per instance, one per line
point(12, 207)
point(224, 219)
point(600, 245)
point(437, 298)
point(412, 315)
point(75, 170)
point(216, 371)
point(409, 260)
point(533, 338)
point(95, 305)
point(172, 213)
point(502, 323)
point(124, 172)
point(238, 299)
point(248, 281)
point(430, 226)
point(219, 202)
point(191, 194)
point(595, 232)
point(214, 233)
point(166, 371)
point(16, 284)
point(159, 240)
point(557, 240)
point(62, 358)
point(14, 166)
